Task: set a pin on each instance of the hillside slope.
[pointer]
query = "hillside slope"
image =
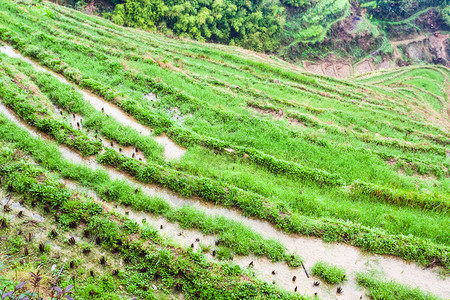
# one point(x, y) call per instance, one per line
point(233, 155)
point(336, 38)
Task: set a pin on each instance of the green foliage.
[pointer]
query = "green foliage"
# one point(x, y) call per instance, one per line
point(271, 158)
point(328, 273)
point(224, 253)
point(446, 15)
point(389, 290)
point(170, 264)
point(253, 25)
point(16, 98)
point(402, 198)
point(16, 243)
point(297, 3)
point(393, 10)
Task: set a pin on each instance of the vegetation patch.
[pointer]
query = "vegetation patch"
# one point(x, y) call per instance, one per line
point(328, 273)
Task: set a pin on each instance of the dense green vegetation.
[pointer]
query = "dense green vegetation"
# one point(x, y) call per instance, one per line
point(252, 24)
point(379, 289)
point(235, 134)
point(173, 267)
point(293, 29)
point(228, 231)
point(392, 10)
point(328, 273)
point(361, 161)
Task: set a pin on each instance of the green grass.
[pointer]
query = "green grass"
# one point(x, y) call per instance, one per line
point(389, 290)
point(147, 251)
point(372, 129)
point(328, 273)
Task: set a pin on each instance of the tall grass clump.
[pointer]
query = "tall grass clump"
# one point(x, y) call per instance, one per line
point(328, 273)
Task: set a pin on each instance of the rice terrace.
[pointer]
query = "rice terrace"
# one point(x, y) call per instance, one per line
point(224, 149)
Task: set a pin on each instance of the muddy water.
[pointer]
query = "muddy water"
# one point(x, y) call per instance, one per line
point(11, 52)
point(182, 237)
point(311, 250)
point(12, 116)
point(171, 150)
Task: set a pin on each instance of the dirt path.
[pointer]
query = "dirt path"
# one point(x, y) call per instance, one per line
point(407, 41)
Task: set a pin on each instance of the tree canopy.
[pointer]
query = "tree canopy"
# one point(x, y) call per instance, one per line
point(251, 24)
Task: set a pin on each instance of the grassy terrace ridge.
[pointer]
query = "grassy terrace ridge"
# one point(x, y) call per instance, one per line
point(176, 268)
point(47, 156)
point(332, 132)
point(380, 289)
point(227, 231)
point(362, 162)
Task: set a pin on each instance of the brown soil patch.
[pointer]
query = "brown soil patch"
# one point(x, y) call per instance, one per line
point(331, 66)
point(364, 67)
point(313, 68)
point(296, 122)
point(279, 115)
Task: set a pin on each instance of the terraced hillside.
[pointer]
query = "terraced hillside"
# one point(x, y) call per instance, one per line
point(135, 165)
